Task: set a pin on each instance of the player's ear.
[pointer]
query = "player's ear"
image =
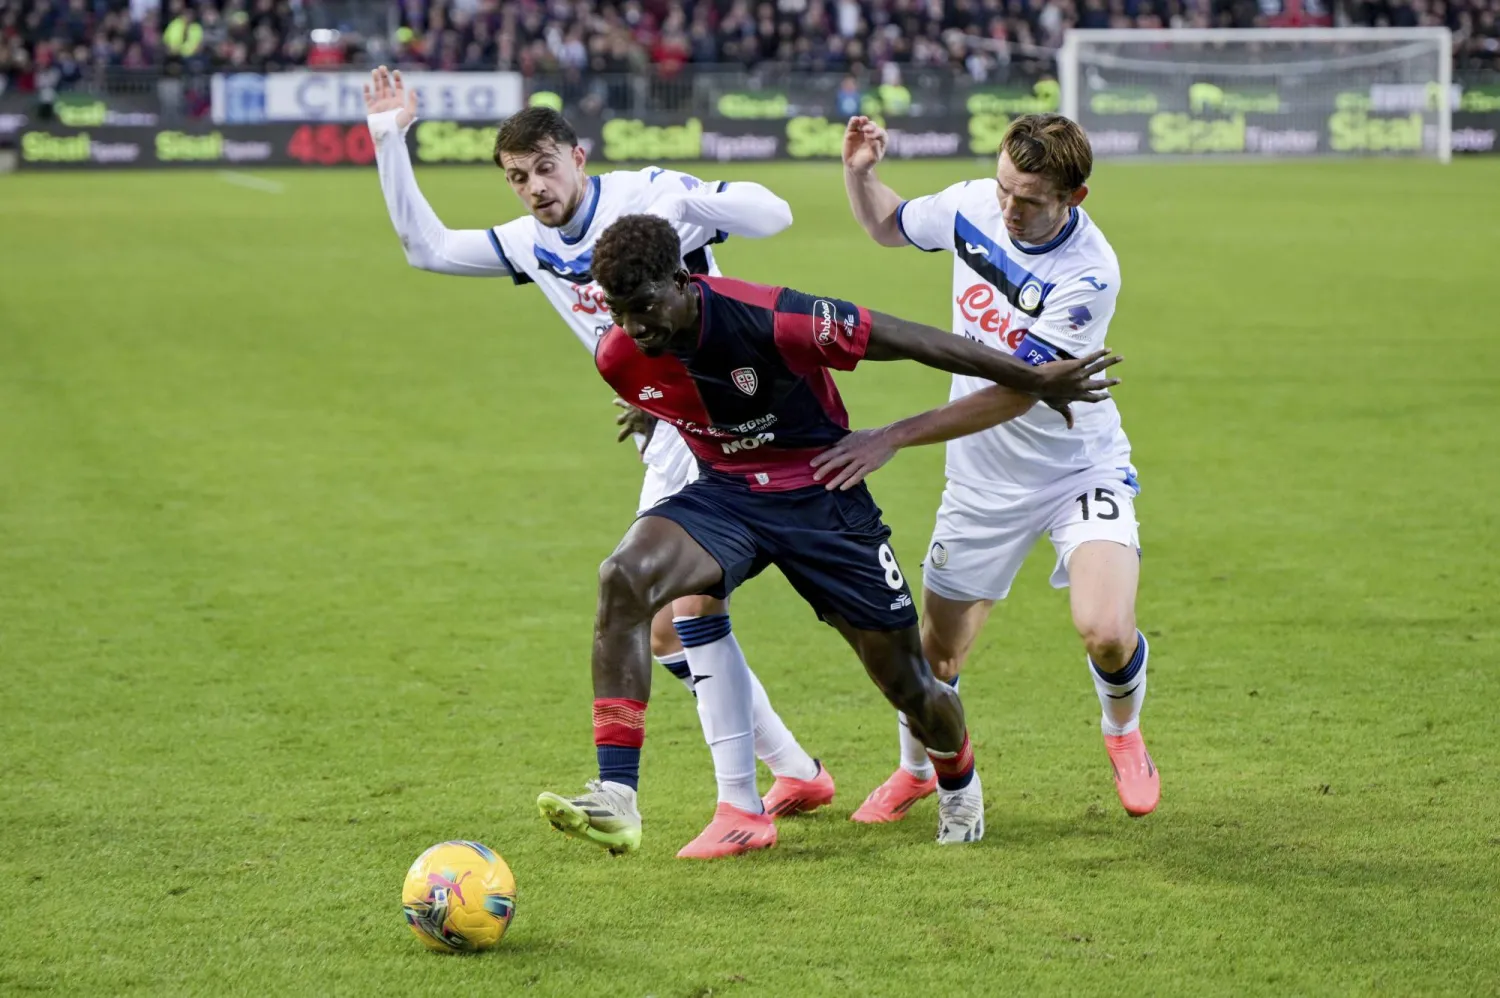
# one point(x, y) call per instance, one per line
point(580, 158)
point(682, 278)
point(1076, 198)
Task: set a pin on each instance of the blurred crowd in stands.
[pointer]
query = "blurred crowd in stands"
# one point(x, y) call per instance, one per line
point(58, 43)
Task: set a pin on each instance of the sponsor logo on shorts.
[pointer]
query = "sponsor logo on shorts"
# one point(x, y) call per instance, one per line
point(648, 393)
point(901, 602)
point(824, 316)
point(939, 555)
point(745, 379)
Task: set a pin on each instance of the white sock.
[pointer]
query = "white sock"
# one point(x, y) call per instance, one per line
point(775, 745)
point(722, 681)
point(676, 664)
point(1122, 693)
point(913, 753)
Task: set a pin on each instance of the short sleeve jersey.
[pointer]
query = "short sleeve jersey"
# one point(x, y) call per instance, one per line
point(753, 397)
point(1040, 303)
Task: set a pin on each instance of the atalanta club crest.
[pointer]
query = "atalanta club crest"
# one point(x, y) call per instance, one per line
point(745, 379)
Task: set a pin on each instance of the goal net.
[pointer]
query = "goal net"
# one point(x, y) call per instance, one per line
point(1261, 91)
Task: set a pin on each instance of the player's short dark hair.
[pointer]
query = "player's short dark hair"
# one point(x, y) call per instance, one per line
point(527, 130)
point(1051, 145)
point(635, 251)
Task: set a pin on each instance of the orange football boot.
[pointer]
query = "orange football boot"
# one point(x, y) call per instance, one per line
point(892, 799)
point(789, 796)
point(1136, 776)
point(730, 833)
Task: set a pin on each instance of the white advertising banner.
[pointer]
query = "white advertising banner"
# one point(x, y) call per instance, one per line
point(245, 98)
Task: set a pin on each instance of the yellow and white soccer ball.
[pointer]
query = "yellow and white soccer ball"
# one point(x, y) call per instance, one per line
point(459, 897)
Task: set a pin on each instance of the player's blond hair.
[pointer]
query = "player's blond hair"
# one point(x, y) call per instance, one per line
point(1052, 146)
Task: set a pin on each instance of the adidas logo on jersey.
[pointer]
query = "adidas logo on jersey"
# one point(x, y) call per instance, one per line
point(648, 393)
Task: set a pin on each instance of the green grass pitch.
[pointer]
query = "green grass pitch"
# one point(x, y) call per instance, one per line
point(297, 565)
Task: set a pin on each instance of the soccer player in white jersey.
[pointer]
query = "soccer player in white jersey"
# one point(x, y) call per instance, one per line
point(552, 247)
point(1032, 275)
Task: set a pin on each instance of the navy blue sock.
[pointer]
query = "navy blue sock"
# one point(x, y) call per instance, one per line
point(677, 666)
point(1127, 674)
point(619, 764)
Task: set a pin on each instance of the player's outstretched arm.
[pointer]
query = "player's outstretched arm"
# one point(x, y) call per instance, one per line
point(1057, 383)
point(874, 204)
point(863, 452)
point(429, 244)
point(740, 208)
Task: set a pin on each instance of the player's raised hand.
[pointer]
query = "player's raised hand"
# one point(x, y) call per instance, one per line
point(853, 458)
point(386, 92)
point(864, 144)
point(633, 421)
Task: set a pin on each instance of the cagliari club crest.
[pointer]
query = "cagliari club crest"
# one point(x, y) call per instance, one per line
point(745, 379)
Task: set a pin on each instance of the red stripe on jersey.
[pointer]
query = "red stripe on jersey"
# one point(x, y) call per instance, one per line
point(759, 295)
point(660, 385)
point(783, 467)
point(816, 333)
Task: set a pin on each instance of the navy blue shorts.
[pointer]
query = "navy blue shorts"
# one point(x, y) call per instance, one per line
point(831, 546)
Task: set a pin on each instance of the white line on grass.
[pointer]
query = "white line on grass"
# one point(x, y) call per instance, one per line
point(251, 181)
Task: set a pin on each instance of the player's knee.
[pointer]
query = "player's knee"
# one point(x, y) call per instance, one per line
point(624, 587)
point(1109, 639)
point(920, 699)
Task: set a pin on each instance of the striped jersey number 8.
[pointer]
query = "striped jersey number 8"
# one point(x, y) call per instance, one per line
point(893, 577)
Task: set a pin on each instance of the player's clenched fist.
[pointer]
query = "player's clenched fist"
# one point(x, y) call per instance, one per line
point(864, 144)
point(386, 92)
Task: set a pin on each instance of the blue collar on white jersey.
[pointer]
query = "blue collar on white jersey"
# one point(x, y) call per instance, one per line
point(577, 227)
point(1055, 241)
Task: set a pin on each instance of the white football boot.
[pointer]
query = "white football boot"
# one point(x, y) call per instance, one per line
point(961, 814)
point(605, 816)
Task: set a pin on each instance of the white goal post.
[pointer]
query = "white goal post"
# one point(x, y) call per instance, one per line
point(1261, 91)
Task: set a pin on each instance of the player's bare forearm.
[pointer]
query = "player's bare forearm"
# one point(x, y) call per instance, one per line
point(970, 414)
point(863, 452)
point(874, 206)
point(1058, 382)
point(893, 338)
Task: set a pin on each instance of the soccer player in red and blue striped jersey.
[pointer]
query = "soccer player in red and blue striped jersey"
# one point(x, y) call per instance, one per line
point(742, 371)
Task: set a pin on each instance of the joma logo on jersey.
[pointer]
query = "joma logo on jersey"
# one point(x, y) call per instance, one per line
point(823, 322)
point(976, 305)
point(748, 443)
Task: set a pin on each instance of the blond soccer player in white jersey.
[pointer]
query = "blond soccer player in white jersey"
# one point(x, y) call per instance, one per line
point(1034, 276)
point(552, 246)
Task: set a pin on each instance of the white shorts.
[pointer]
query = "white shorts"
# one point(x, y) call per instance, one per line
point(982, 538)
point(669, 466)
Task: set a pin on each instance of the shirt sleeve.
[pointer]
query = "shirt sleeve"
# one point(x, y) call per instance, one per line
point(665, 190)
point(816, 332)
point(512, 244)
point(927, 222)
point(427, 242)
point(717, 211)
point(1075, 319)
